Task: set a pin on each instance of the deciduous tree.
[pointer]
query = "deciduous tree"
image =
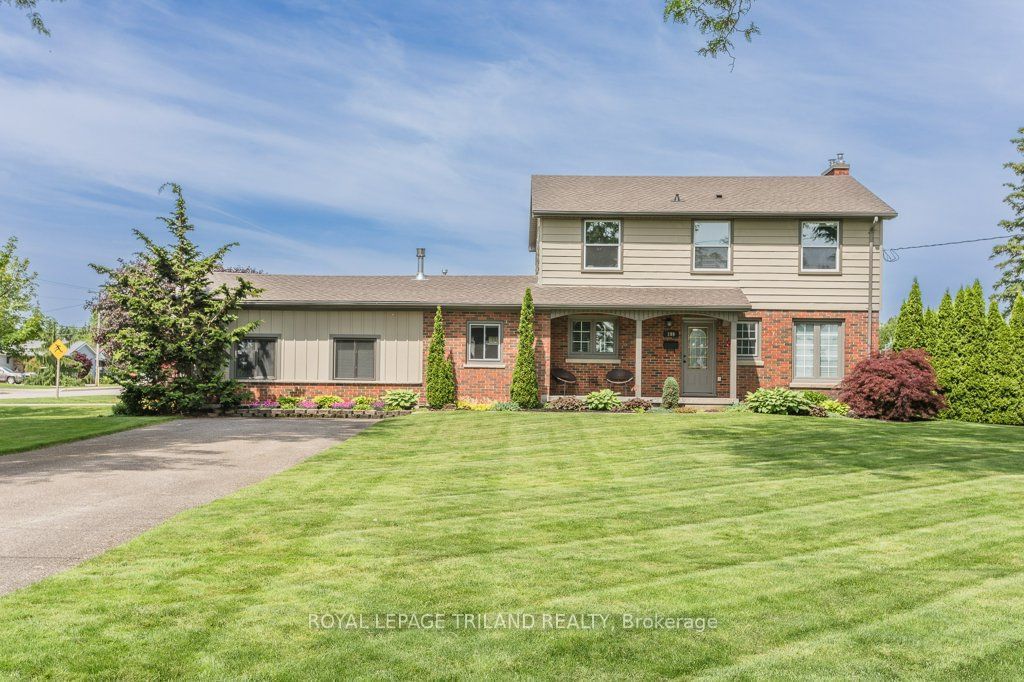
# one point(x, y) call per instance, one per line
point(719, 21)
point(20, 318)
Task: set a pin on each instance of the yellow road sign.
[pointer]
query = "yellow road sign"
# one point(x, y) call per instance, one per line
point(58, 349)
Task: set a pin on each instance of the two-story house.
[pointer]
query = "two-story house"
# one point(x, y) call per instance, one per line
point(726, 283)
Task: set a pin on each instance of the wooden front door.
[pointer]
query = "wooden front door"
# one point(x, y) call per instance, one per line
point(698, 359)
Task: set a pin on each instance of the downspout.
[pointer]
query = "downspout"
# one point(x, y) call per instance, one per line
point(871, 287)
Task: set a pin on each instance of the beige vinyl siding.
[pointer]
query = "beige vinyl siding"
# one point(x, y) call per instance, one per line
point(766, 253)
point(305, 344)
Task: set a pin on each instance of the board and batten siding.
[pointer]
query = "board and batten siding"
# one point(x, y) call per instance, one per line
point(766, 252)
point(306, 347)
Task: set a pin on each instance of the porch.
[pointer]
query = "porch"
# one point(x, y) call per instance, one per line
point(634, 351)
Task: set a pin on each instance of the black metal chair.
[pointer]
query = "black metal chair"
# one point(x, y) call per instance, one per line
point(564, 378)
point(619, 378)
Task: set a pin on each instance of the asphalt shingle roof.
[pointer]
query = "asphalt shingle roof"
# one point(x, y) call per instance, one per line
point(825, 196)
point(476, 290)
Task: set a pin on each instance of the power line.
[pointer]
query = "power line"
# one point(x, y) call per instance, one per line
point(891, 256)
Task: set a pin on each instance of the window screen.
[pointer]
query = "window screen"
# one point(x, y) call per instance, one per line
point(355, 359)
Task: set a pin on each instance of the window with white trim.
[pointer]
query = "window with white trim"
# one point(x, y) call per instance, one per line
point(712, 245)
point(484, 340)
point(602, 244)
point(819, 246)
point(748, 333)
point(817, 350)
point(593, 338)
point(355, 358)
point(256, 358)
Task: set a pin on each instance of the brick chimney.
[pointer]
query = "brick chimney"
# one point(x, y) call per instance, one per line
point(837, 166)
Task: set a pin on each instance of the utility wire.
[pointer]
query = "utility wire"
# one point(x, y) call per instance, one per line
point(891, 256)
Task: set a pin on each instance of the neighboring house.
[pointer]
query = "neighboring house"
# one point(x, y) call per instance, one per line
point(86, 349)
point(726, 283)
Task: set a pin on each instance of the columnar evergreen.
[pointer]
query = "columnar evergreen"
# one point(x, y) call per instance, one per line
point(978, 357)
point(440, 371)
point(524, 376)
point(909, 331)
point(166, 331)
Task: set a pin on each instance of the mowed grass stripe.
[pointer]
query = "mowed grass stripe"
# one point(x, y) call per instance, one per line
point(799, 534)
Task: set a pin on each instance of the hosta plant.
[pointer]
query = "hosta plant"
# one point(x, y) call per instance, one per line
point(604, 400)
point(778, 401)
point(325, 401)
point(398, 399)
point(836, 407)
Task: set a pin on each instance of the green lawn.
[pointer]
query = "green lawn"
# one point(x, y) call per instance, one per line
point(822, 547)
point(26, 427)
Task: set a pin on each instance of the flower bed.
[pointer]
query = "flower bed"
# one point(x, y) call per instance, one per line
point(260, 410)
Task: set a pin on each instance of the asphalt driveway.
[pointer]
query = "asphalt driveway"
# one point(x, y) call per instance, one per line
point(63, 504)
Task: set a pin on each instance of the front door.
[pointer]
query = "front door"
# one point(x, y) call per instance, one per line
point(698, 359)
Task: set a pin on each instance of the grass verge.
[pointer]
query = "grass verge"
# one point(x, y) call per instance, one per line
point(27, 427)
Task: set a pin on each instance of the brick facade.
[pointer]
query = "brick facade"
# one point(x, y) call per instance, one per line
point(774, 367)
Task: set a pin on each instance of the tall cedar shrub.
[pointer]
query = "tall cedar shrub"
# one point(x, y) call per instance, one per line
point(930, 323)
point(895, 386)
point(440, 371)
point(1002, 386)
point(1015, 334)
point(165, 329)
point(964, 382)
point(909, 331)
point(524, 376)
point(670, 393)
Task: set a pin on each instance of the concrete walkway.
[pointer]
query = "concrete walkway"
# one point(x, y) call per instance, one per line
point(63, 504)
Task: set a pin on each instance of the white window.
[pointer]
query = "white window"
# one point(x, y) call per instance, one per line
point(748, 338)
point(593, 338)
point(355, 358)
point(819, 246)
point(602, 244)
point(712, 245)
point(256, 358)
point(817, 350)
point(484, 342)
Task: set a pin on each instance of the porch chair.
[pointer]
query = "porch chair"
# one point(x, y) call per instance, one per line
point(564, 378)
point(619, 378)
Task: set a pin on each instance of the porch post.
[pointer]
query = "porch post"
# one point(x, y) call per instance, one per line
point(639, 354)
point(732, 359)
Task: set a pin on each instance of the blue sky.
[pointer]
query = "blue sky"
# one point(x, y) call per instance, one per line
point(335, 137)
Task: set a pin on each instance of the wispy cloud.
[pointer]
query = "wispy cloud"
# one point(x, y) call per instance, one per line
point(334, 137)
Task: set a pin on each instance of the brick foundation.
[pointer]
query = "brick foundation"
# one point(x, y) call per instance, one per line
point(492, 383)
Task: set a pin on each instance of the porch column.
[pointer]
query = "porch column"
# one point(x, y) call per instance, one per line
point(732, 360)
point(639, 354)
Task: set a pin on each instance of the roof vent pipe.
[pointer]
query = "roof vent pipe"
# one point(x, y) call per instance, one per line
point(421, 255)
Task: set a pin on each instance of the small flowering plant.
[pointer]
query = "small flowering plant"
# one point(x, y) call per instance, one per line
point(343, 405)
point(378, 405)
point(308, 405)
point(264, 404)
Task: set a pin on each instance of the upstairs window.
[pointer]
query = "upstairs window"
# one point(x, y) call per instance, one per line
point(819, 246)
point(602, 245)
point(593, 338)
point(255, 358)
point(712, 245)
point(747, 338)
point(355, 358)
point(484, 342)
